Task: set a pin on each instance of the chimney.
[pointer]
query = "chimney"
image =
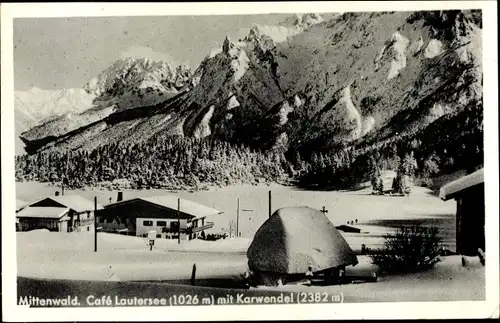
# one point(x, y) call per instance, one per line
point(57, 193)
point(119, 197)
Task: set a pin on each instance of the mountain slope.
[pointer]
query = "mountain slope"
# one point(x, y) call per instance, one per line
point(37, 106)
point(127, 84)
point(355, 79)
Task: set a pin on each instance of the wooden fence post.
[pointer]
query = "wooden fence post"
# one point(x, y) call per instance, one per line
point(193, 275)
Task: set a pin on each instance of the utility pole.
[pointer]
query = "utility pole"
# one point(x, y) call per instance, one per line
point(238, 219)
point(270, 203)
point(179, 221)
point(95, 224)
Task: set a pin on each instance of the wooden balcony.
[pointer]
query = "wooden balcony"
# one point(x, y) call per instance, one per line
point(206, 226)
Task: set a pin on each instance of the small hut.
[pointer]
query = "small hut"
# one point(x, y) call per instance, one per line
point(293, 240)
point(468, 191)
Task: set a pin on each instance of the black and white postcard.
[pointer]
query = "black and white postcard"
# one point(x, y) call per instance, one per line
point(249, 161)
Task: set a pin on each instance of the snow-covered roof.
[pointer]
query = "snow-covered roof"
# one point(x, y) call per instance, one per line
point(20, 204)
point(449, 190)
point(294, 238)
point(74, 202)
point(41, 212)
point(192, 208)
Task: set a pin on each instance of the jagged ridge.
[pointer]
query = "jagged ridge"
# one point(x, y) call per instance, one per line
point(358, 77)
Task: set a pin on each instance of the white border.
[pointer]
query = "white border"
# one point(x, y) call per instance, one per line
point(489, 308)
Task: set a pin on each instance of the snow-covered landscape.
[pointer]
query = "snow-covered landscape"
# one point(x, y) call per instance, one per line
point(70, 256)
point(420, 207)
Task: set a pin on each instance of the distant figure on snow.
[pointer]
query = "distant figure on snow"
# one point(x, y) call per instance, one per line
point(342, 274)
point(247, 279)
point(309, 275)
point(309, 272)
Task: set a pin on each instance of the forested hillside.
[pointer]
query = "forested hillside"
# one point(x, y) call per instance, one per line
point(447, 145)
point(162, 162)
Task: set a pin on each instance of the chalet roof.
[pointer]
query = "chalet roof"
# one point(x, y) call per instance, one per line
point(20, 204)
point(451, 189)
point(42, 212)
point(74, 202)
point(196, 210)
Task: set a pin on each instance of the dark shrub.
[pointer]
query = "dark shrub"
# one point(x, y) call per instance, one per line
point(409, 250)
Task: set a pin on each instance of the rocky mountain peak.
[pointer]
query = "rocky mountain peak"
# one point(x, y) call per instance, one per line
point(129, 73)
point(304, 20)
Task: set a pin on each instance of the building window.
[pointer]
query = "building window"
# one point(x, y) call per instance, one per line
point(161, 223)
point(174, 227)
point(158, 235)
point(88, 228)
point(147, 223)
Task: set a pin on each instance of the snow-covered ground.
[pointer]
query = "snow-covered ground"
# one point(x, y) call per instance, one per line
point(49, 255)
point(44, 254)
point(70, 256)
point(447, 281)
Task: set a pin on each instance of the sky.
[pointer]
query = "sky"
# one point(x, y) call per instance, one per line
point(59, 53)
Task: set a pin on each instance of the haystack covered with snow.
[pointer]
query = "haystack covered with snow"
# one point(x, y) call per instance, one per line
point(293, 239)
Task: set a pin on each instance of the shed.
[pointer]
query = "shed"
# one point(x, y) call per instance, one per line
point(51, 218)
point(468, 192)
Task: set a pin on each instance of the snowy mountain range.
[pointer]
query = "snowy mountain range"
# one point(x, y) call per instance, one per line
point(37, 106)
point(308, 84)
